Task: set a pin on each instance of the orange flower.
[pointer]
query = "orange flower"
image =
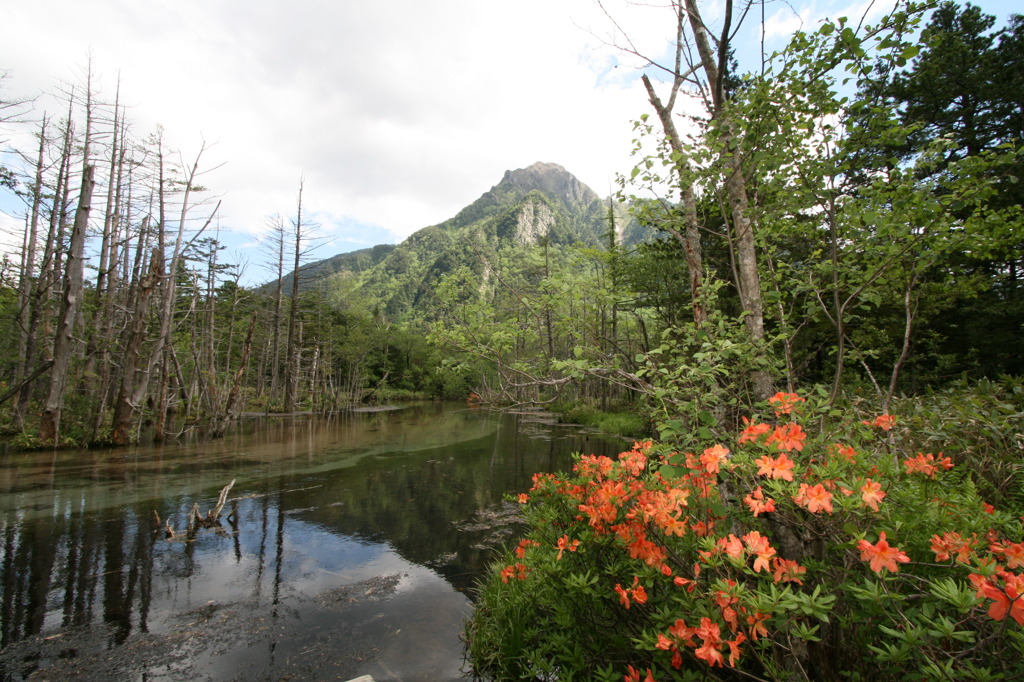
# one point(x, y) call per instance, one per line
point(680, 581)
point(927, 464)
point(1013, 551)
point(525, 545)
point(775, 467)
point(637, 592)
point(1006, 599)
point(682, 632)
point(734, 648)
point(952, 543)
point(623, 595)
point(844, 451)
point(753, 431)
point(518, 571)
point(713, 457)
point(709, 650)
point(758, 545)
point(673, 526)
point(788, 571)
point(634, 676)
point(784, 403)
point(731, 546)
point(724, 600)
point(883, 421)
point(788, 437)
point(756, 625)
point(814, 498)
point(872, 494)
point(757, 503)
point(564, 544)
point(881, 554)
point(634, 462)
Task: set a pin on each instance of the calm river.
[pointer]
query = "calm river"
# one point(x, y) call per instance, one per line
point(354, 543)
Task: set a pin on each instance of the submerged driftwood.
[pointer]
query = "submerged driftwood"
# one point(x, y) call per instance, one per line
point(196, 519)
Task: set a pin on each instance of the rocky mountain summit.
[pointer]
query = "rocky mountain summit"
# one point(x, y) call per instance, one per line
point(553, 181)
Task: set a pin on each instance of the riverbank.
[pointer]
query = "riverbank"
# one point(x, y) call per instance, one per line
point(612, 422)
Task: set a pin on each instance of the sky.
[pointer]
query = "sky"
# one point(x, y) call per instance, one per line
point(394, 114)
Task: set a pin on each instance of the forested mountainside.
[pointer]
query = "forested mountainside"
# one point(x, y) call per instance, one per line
point(541, 205)
point(343, 264)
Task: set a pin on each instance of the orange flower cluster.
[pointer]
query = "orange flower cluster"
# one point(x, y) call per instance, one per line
point(519, 571)
point(757, 503)
point(524, 545)
point(713, 457)
point(882, 554)
point(1013, 552)
point(780, 467)
point(785, 403)
point(872, 494)
point(814, 498)
point(629, 501)
point(882, 421)
point(844, 451)
point(927, 465)
point(949, 544)
point(564, 544)
point(758, 546)
point(1006, 590)
point(752, 432)
point(637, 592)
point(787, 437)
point(710, 648)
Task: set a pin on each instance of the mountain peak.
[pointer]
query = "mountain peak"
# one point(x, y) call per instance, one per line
point(552, 180)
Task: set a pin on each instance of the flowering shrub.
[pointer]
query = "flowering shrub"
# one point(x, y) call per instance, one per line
point(790, 553)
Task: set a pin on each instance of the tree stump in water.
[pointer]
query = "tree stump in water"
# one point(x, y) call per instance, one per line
point(196, 519)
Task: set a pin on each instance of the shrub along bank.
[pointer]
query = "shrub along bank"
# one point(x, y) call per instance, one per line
point(813, 545)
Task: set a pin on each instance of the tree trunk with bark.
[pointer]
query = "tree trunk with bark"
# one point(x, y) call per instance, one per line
point(63, 345)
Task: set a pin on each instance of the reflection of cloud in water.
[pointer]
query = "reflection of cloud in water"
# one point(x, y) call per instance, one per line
point(329, 570)
point(332, 592)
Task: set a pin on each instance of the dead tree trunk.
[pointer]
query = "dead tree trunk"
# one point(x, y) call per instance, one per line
point(49, 428)
point(236, 387)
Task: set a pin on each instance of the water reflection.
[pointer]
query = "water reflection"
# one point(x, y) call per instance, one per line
point(352, 543)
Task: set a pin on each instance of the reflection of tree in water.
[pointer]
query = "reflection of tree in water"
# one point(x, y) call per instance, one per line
point(69, 564)
point(444, 507)
point(75, 562)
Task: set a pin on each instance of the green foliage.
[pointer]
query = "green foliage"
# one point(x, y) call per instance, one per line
point(981, 427)
point(700, 377)
point(543, 323)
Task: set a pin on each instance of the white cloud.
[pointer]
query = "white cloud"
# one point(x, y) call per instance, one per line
point(790, 18)
point(397, 113)
point(785, 21)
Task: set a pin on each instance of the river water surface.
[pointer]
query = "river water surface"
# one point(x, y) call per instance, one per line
point(352, 549)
